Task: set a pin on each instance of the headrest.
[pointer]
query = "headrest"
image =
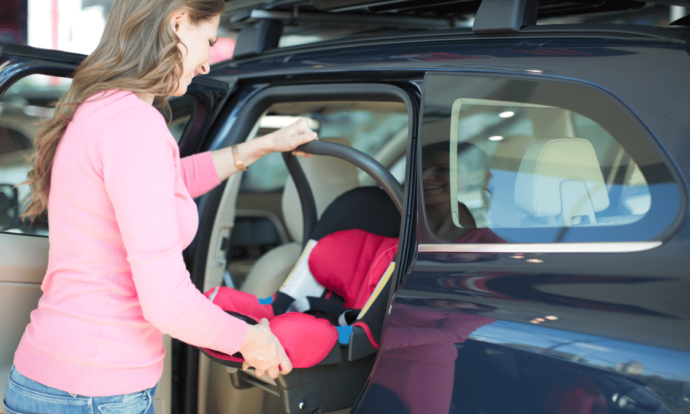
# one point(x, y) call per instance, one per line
point(328, 177)
point(561, 177)
point(364, 208)
point(510, 151)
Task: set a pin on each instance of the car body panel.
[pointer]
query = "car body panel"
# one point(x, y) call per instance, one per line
point(614, 345)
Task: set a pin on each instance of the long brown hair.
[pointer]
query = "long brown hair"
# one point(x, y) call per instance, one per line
point(138, 52)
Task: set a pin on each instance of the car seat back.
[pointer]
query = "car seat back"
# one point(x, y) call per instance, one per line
point(328, 177)
point(562, 179)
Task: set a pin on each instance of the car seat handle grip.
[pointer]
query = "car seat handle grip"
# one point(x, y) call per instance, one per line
point(366, 163)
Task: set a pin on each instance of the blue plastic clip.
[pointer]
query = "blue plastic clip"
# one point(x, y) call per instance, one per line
point(344, 334)
point(266, 301)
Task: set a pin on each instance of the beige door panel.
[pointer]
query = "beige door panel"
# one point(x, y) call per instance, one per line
point(24, 259)
point(23, 263)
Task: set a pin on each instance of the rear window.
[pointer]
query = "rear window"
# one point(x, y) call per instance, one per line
point(506, 160)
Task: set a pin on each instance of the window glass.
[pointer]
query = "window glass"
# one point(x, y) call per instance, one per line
point(182, 112)
point(22, 107)
point(368, 126)
point(517, 161)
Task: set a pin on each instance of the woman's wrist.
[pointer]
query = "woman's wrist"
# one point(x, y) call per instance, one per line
point(249, 338)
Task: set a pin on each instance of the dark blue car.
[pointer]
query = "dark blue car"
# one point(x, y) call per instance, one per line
point(535, 175)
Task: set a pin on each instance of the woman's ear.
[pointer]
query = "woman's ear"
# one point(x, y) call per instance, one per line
point(176, 18)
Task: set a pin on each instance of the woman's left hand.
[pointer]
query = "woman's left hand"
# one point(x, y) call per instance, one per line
point(292, 136)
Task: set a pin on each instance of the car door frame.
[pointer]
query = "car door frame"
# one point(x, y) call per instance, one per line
point(241, 114)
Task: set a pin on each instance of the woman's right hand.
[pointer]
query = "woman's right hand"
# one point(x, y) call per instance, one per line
point(262, 350)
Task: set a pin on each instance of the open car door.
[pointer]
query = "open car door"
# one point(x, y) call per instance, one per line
point(30, 80)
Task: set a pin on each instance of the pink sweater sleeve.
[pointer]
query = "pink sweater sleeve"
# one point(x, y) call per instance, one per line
point(199, 173)
point(139, 171)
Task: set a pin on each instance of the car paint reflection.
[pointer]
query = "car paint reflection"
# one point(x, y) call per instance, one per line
point(507, 367)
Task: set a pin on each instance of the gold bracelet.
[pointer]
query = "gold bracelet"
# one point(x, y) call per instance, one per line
point(238, 161)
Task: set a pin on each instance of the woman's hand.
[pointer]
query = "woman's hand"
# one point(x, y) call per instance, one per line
point(292, 136)
point(285, 139)
point(262, 350)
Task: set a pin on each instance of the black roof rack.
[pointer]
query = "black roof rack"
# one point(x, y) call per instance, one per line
point(262, 22)
point(427, 8)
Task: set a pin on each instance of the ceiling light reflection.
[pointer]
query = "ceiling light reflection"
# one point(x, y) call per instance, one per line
point(496, 138)
point(507, 114)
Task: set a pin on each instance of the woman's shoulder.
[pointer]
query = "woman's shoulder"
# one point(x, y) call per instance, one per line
point(115, 105)
point(119, 119)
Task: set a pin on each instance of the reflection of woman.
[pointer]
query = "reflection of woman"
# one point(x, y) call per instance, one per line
point(418, 354)
point(121, 212)
point(473, 176)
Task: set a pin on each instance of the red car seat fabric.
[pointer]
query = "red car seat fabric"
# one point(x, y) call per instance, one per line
point(351, 263)
point(348, 263)
point(307, 340)
point(241, 302)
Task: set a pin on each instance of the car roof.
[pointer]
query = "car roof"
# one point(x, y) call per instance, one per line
point(433, 8)
point(262, 24)
point(418, 13)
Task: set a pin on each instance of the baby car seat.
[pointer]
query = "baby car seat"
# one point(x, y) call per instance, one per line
point(329, 312)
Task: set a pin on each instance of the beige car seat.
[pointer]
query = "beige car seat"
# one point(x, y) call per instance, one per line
point(328, 177)
point(560, 182)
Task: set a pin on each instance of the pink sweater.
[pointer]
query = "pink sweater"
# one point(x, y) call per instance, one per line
point(121, 212)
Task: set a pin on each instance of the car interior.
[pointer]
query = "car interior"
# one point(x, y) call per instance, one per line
point(544, 158)
point(384, 127)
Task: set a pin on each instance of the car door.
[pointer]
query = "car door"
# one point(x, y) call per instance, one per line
point(30, 79)
point(546, 278)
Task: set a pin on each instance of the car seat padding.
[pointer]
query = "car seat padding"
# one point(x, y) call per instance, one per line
point(349, 263)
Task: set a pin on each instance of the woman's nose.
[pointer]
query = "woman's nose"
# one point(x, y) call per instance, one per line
point(204, 68)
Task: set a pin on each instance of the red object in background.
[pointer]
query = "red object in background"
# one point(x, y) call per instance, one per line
point(13, 16)
point(222, 50)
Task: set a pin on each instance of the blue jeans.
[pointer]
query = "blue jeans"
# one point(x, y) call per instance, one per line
point(25, 396)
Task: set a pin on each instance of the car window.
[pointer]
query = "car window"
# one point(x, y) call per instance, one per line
point(518, 161)
point(367, 126)
point(22, 107)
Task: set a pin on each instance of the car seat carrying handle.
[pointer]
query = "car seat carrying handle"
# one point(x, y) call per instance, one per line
point(306, 198)
point(369, 165)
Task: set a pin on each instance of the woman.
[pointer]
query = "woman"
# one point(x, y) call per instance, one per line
point(119, 199)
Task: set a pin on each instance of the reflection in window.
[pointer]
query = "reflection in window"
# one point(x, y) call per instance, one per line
point(25, 103)
point(560, 179)
point(182, 111)
point(537, 162)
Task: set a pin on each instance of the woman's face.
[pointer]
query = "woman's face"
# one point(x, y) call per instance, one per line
point(436, 177)
point(196, 41)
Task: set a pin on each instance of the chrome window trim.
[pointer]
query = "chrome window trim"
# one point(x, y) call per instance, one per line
point(596, 247)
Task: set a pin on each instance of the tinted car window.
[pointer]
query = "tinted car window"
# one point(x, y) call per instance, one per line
point(523, 161)
point(367, 126)
point(22, 107)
